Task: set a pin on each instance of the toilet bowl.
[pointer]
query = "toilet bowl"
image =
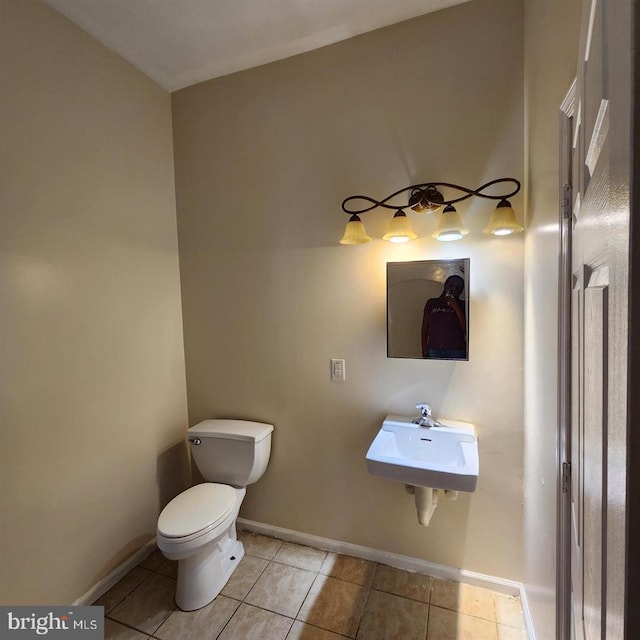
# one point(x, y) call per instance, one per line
point(198, 527)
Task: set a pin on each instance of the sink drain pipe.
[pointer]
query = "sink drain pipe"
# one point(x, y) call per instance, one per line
point(426, 499)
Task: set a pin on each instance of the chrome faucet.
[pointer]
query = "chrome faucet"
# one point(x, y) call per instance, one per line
point(426, 420)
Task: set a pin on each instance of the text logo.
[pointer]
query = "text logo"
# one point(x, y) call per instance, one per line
point(52, 623)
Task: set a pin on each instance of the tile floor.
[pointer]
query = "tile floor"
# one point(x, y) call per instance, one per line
point(284, 591)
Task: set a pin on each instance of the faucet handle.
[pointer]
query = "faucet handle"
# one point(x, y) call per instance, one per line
point(425, 409)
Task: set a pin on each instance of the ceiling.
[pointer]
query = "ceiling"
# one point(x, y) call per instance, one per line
point(178, 43)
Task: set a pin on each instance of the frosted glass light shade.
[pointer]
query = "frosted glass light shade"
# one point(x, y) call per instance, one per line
point(503, 221)
point(354, 232)
point(399, 229)
point(449, 226)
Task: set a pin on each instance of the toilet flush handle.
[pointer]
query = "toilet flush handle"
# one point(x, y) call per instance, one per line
point(195, 441)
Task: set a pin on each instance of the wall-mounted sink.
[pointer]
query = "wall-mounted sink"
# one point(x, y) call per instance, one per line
point(441, 457)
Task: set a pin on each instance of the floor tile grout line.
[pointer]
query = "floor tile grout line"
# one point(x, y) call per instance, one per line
point(263, 607)
point(128, 593)
point(366, 600)
point(128, 626)
point(293, 566)
point(426, 631)
point(495, 610)
point(175, 607)
point(469, 615)
point(318, 572)
point(231, 617)
point(306, 595)
point(322, 551)
point(271, 610)
point(315, 626)
point(255, 606)
point(255, 582)
point(399, 595)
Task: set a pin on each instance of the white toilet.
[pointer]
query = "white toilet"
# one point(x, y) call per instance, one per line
point(198, 527)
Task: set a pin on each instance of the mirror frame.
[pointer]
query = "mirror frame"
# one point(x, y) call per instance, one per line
point(422, 281)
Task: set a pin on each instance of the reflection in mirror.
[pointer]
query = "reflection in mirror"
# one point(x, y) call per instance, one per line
point(428, 309)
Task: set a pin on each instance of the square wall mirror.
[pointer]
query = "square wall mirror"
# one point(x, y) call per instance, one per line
point(428, 309)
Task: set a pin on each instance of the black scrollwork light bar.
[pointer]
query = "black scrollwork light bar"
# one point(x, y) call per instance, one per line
point(427, 198)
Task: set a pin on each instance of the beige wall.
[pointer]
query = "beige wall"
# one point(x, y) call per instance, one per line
point(263, 160)
point(92, 386)
point(551, 48)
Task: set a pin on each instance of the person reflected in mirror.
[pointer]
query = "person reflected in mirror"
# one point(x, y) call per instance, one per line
point(444, 325)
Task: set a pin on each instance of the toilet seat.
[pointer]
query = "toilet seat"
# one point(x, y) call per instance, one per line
point(196, 511)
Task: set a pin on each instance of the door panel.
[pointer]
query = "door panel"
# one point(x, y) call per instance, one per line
point(595, 366)
point(599, 301)
point(576, 415)
point(577, 439)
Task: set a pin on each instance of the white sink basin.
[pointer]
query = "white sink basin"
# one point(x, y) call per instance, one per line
point(443, 457)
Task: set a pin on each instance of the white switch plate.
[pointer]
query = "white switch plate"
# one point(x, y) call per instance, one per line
point(337, 370)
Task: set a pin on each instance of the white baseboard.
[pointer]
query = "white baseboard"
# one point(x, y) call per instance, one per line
point(528, 624)
point(116, 575)
point(501, 585)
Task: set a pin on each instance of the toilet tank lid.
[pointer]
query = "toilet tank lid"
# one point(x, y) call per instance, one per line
point(232, 430)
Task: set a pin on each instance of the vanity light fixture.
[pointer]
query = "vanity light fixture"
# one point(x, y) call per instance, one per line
point(427, 198)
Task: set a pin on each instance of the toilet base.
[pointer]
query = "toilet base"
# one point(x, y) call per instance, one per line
point(203, 575)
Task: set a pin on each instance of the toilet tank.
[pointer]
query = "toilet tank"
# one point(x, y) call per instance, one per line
point(234, 452)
